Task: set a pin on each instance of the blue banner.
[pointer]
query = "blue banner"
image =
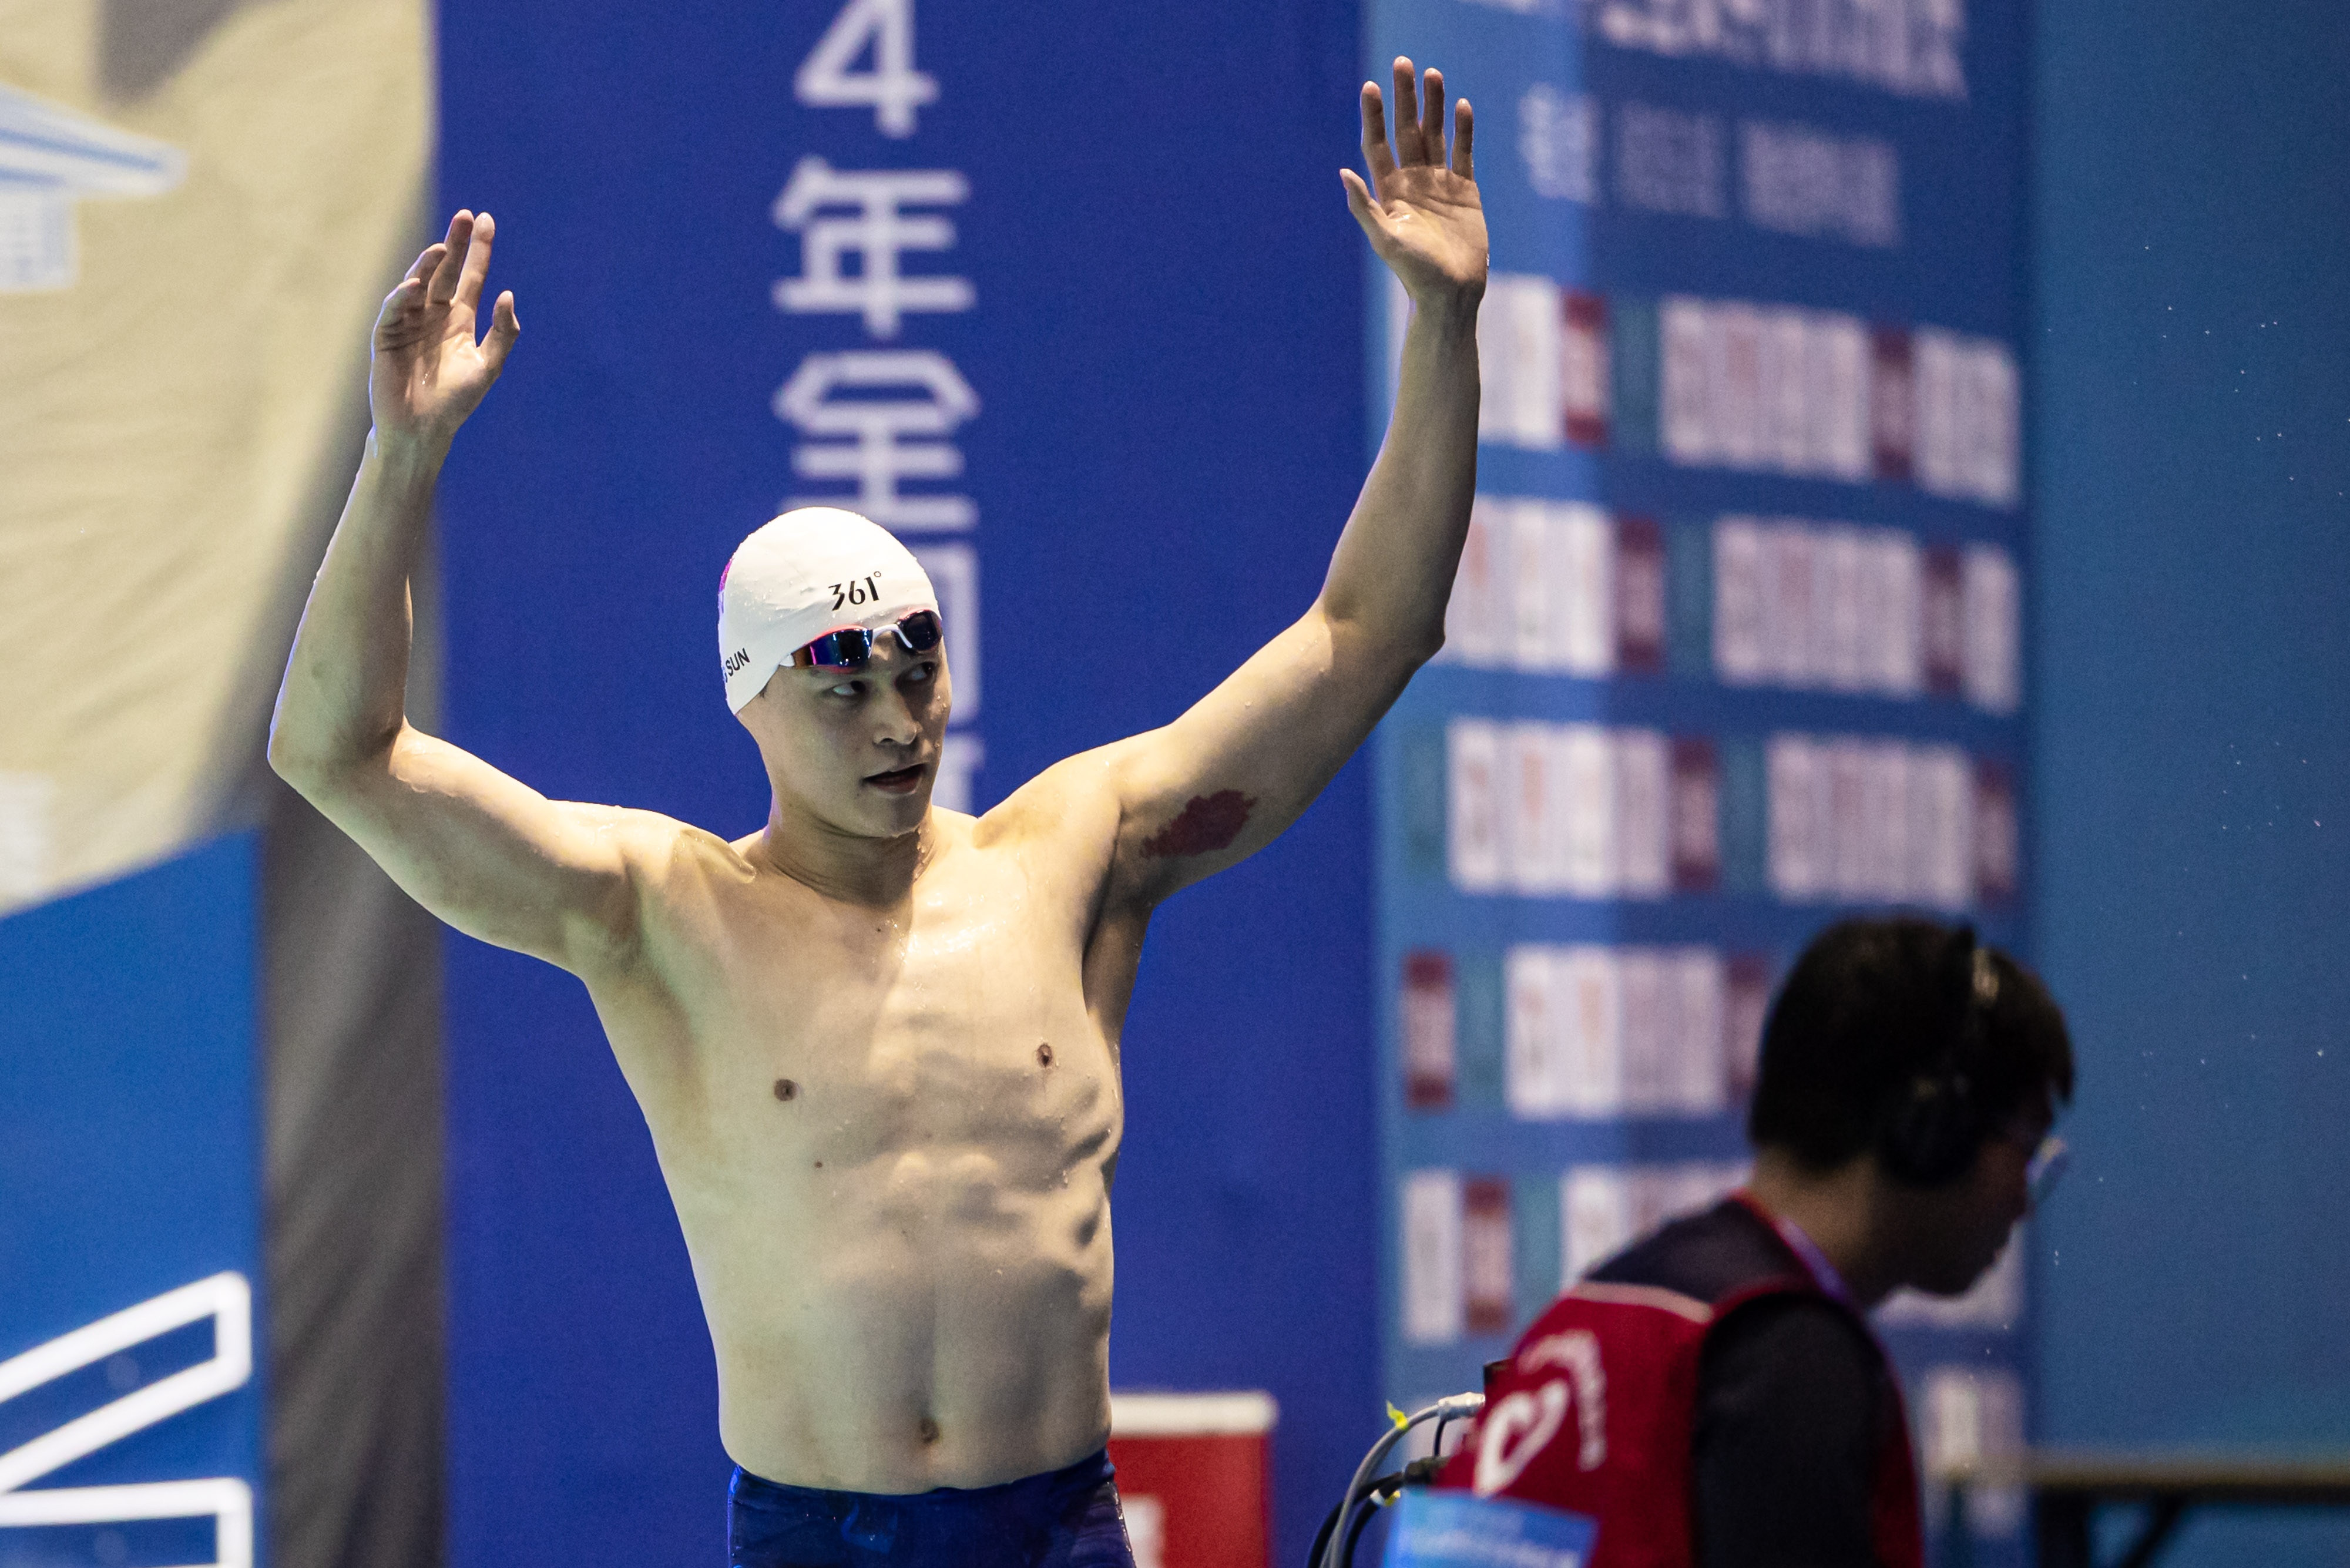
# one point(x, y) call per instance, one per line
point(1736, 643)
point(130, 1233)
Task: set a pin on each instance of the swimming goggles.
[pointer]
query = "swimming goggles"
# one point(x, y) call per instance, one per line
point(851, 647)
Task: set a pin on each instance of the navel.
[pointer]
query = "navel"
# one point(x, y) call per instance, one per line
point(928, 1430)
point(786, 1090)
point(1045, 1053)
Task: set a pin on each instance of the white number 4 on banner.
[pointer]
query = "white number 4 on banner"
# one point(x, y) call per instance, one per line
point(893, 88)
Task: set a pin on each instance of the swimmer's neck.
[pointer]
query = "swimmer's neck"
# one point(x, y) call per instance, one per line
point(848, 867)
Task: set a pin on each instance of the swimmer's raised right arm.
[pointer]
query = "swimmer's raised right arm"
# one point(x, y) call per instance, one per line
point(489, 854)
point(1242, 764)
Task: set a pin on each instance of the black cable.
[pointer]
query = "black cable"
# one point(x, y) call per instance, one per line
point(1389, 1482)
point(1321, 1536)
point(1385, 1487)
point(1381, 1492)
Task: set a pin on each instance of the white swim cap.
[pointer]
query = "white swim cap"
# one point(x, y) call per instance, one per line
point(815, 570)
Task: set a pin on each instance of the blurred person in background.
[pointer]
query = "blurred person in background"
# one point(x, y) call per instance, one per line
point(1714, 1396)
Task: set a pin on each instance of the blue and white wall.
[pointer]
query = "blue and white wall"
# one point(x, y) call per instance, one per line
point(1736, 646)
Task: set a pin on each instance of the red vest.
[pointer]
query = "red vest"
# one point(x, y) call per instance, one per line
point(1596, 1411)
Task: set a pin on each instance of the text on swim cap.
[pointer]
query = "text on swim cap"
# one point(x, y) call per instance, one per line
point(864, 590)
point(737, 660)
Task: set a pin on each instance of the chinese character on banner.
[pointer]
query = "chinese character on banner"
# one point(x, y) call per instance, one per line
point(884, 401)
point(879, 234)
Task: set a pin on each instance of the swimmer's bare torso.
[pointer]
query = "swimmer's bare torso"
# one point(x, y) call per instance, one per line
point(876, 1042)
point(891, 1133)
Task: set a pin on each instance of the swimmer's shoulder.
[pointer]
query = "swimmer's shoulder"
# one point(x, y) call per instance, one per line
point(679, 858)
point(613, 855)
point(1075, 801)
point(666, 859)
point(691, 883)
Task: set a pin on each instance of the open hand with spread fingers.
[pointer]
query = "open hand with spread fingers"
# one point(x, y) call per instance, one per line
point(427, 372)
point(1421, 211)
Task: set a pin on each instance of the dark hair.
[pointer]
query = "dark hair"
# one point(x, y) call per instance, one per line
point(1873, 1013)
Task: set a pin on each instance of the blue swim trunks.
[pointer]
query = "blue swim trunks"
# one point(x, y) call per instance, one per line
point(1066, 1519)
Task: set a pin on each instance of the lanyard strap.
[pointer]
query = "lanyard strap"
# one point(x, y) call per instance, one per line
point(1807, 1251)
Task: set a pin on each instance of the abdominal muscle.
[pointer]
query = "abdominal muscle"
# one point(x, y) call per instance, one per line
point(915, 1323)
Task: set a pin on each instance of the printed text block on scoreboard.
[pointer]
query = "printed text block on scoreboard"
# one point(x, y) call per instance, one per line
point(1195, 1477)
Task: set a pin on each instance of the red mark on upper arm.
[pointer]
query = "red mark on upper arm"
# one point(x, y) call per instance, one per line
point(1209, 822)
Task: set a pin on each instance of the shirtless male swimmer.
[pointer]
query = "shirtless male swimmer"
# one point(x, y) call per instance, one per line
point(877, 1041)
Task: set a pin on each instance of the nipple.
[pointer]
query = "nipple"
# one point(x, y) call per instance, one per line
point(786, 1090)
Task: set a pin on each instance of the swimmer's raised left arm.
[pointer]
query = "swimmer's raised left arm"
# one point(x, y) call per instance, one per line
point(1223, 780)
